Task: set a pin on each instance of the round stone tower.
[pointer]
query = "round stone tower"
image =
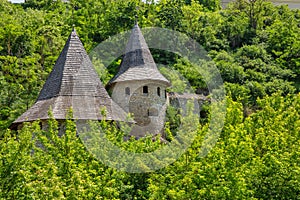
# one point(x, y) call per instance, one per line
point(139, 88)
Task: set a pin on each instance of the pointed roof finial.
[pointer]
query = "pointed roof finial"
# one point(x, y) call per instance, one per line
point(136, 19)
point(73, 27)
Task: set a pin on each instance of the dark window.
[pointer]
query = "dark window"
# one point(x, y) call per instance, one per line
point(145, 89)
point(158, 91)
point(165, 94)
point(41, 125)
point(127, 90)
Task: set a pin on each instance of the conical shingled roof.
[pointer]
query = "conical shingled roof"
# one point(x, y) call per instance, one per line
point(73, 83)
point(138, 63)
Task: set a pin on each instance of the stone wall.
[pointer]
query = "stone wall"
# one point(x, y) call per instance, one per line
point(180, 101)
point(148, 105)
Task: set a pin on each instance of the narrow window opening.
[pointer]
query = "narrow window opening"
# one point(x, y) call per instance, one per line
point(145, 89)
point(165, 94)
point(158, 91)
point(127, 91)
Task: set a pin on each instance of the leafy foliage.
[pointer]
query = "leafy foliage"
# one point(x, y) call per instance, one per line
point(256, 157)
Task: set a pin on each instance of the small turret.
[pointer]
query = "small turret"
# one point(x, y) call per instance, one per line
point(139, 88)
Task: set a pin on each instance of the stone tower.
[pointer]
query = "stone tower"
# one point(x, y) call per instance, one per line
point(72, 83)
point(139, 88)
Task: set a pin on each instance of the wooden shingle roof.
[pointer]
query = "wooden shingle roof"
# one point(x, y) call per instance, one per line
point(73, 83)
point(138, 63)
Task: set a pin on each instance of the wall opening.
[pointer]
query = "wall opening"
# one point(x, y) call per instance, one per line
point(145, 89)
point(158, 91)
point(127, 91)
